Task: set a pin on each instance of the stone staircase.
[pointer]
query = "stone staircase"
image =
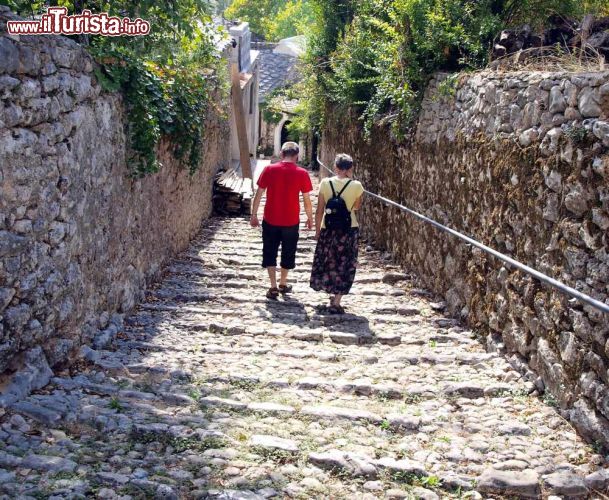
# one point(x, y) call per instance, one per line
point(213, 391)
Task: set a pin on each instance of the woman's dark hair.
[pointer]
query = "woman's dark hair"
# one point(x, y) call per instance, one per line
point(343, 161)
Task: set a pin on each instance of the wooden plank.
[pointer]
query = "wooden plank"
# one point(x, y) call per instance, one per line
point(232, 194)
point(237, 97)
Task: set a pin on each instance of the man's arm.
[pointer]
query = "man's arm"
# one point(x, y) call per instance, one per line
point(308, 206)
point(254, 222)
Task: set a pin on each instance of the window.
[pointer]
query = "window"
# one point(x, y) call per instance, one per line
point(253, 94)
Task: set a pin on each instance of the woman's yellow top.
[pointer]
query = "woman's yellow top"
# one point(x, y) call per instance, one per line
point(350, 195)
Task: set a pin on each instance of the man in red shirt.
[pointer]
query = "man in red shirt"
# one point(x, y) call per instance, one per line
point(283, 183)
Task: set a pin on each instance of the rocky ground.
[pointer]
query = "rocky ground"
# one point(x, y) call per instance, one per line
point(212, 391)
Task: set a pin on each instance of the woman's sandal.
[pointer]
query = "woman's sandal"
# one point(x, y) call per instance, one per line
point(336, 310)
point(285, 289)
point(273, 293)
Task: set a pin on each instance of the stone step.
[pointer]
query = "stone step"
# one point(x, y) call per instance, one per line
point(227, 338)
point(315, 412)
point(226, 329)
point(171, 299)
point(210, 346)
point(323, 458)
point(365, 387)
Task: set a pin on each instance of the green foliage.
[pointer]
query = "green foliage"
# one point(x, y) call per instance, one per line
point(431, 481)
point(255, 12)
point(294, 18)
point(299, 121)
point(116, 405)
point(272, 107)
point(275, 455)
point(549, 399)
point(171, 22)
point(270, 115)
point(385, 425)
point(245, 384)
point(220, 6)
point(164, 76)
point(181, 444)
point(377, 55)
point(448, 86)
point(273, 19)
point(577, 134)
point(160, 102)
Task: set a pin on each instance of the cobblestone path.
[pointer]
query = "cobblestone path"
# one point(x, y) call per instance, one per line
point(211, 391)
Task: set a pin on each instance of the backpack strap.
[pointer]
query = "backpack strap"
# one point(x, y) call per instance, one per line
point(345, 187)
point(333, 191)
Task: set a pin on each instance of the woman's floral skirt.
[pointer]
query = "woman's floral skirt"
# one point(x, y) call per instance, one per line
point(335, 261)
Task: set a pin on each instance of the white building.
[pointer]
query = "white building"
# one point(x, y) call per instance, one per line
point(278, 70)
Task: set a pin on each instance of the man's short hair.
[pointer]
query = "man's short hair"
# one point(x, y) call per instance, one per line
point(289, 149)
point(343, 161)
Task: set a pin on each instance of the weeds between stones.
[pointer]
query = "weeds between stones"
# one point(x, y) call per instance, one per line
point(41, 494)
point(195, 394)
point(518, 394)
point(182, 444)
point(116, 405)
point(248, 385)
point(412, 399)
point(549, 399)
point(275, 455)
point(597, 447)
point(179, 444)
point(145, 386)
point(136, 492)
point(385, 425)
point(123, 383)
point(242, 437)
point(64, 476)
point(411, 479)
point(430, 482)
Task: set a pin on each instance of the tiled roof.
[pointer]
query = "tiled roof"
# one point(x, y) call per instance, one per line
point(276, 70)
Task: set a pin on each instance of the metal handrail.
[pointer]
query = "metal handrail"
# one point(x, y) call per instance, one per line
point(519, 265)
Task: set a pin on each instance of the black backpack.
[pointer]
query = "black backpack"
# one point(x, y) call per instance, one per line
point(337, 215)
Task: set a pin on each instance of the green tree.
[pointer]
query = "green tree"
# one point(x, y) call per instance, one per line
point(273, 19)
point(255, 12)
point(377, 55)
point(171, 22)
point(294, 18)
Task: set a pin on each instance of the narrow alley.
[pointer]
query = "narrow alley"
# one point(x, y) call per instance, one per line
point(213, 391)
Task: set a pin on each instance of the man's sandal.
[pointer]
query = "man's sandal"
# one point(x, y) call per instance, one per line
point(285, 289)
point(273, 293)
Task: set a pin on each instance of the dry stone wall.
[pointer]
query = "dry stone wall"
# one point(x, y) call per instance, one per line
point(519, 161)
point(79, 239)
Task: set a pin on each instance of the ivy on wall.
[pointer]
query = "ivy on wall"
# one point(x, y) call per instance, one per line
point(160, 102)
point(165, 76)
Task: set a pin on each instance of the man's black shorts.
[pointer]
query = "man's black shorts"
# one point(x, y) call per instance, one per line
point(272, 237)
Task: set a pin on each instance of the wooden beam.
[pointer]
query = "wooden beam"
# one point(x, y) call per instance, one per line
point(239, 114)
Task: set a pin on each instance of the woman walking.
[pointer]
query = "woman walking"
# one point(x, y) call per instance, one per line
point(337, 233)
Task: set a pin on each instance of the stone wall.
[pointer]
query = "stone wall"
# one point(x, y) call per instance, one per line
point(79, 239)
point(520, 162)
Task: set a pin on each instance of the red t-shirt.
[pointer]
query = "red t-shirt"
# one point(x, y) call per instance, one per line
point(284, 182)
